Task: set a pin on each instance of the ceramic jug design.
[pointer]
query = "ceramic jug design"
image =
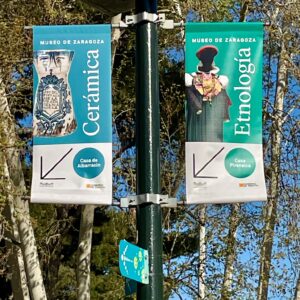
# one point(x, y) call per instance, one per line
point(54, 111)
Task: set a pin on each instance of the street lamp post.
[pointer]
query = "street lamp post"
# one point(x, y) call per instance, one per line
point(149, 215)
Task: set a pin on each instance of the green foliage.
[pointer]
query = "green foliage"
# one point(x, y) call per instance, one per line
point(66, 284)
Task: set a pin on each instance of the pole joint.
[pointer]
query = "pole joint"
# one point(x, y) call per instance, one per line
point(140, 17)
point(135, 200)
point(154, 18)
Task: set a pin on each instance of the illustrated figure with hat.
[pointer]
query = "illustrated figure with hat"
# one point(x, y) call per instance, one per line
point(207, 100)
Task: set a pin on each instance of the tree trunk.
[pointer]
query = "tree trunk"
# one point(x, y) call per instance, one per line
point(18, 279)
point(202, 252)
point(230, 252)
point(297, 291)
point(28, 244)
point(116, 34)
point(84, 252)
point(21, 207)
point(52, 270)
point(178, 10)
point(271, 206)
point(15, 260)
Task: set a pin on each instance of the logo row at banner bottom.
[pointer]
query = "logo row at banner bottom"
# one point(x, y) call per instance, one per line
point(72, 135)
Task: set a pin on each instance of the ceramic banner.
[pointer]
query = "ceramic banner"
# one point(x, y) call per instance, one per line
point(72, 131)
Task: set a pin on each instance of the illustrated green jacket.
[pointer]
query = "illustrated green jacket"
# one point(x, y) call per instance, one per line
point(207, 108)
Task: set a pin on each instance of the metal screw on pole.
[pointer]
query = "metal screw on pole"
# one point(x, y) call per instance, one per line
point(149, 219)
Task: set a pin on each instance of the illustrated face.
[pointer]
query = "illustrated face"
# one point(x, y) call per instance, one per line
point(53, 62)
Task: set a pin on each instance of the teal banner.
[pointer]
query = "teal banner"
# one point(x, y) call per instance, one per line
point(72, 84)
point(224, 112)
point(72, 114)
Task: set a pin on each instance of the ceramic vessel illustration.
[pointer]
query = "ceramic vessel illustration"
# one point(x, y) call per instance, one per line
point(53, 111)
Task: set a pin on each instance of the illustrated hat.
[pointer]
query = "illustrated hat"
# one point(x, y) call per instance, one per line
point(206, 56)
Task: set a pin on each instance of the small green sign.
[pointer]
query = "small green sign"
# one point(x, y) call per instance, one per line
point(133, 262)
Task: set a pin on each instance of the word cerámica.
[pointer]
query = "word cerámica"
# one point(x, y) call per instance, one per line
point(92, 127)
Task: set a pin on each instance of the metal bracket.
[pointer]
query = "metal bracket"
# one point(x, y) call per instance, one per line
point(135, 200)
point(145, 16)
point(165, 24)
point(121, 24)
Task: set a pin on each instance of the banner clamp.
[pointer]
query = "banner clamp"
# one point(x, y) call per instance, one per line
point(140, 17)
point(160, 18)
point(135, 200)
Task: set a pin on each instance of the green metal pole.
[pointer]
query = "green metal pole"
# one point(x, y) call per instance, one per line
point(149, 219)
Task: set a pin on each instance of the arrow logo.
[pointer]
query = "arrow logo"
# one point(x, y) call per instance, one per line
point(125, 259)
point(196, 174)
point(43, 177)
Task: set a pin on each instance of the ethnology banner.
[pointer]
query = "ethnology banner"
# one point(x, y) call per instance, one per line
point(72, 133)
point(224, 160)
